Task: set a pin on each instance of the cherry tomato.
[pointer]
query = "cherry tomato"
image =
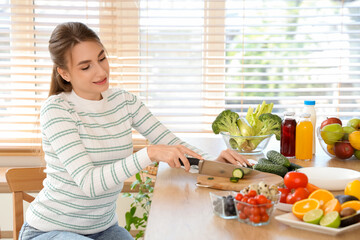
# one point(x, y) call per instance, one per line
point(240, 206)
point(261, 199)
point(242, 215)
point(293, 180)
point(297, 195)
point(284, 193)
point(255, 211)
point(247, 211)
point(264, 217)
point(255, 218)
point(239, 196)
point(252, 193)
point(262, 210)
point(244, 199)
point(252, 201)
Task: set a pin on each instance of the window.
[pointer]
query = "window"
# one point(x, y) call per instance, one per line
point(189, 60)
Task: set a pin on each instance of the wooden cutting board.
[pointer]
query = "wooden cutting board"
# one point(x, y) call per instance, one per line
point(222, 183)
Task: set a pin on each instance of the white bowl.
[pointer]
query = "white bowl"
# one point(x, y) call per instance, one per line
point(330, 178)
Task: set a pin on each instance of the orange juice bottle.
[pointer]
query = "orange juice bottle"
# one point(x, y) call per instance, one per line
point(304, 138)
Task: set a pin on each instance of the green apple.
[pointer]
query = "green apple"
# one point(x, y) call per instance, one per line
point(332, 133)
point(347, 130)
point(355, 123)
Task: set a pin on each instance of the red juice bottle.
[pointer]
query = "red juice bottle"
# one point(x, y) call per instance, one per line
point(288, 131)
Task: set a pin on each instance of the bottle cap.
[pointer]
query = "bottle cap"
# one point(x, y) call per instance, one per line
point(311, 103)
point(289, 113)
point(305, 115)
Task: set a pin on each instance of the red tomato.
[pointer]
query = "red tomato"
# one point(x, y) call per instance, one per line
point(239, 196)
point(264, 217)
point(252, 201)
point(255, 218)
point(293, 180)
point(284, 193)
point(252, 193)
point(297, 195)
point(261, 199)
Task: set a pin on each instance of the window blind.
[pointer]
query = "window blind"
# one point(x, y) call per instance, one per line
point(189, 60)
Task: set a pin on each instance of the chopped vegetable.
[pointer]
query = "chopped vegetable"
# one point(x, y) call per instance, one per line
point(234, 179)
point(238, 173)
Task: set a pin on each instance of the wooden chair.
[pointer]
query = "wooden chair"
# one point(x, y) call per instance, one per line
point(22, 180)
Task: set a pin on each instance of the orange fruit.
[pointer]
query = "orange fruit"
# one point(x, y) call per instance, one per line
point(354, 139)
point(303, 206)
point(332, 205)
point(330, 149)
point(353, 188)
point(355, 204)
point(322, 195)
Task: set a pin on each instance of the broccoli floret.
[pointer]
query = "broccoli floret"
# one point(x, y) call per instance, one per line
point(226, 122)
point(271, 124)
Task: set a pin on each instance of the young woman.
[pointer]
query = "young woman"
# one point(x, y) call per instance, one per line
point(87, 141)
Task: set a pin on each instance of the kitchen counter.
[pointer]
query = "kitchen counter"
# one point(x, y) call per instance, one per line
point(180, 210)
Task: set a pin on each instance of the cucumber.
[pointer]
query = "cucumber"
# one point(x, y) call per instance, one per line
point(278, 158)
point(234, 179)
point(264, 160)
point(294, 166)
point(271, 168)
point(238, 173)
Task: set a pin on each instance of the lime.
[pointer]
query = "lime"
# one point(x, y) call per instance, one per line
point(313, 216)
point(332, 219)
point(357, 154)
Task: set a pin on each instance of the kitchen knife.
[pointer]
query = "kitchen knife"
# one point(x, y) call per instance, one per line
point(214, 168)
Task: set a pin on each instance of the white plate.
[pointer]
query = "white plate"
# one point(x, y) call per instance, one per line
point(330, 178)
point(292, 221)
point(284, 207)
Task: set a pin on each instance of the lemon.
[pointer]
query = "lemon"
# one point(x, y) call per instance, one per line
point(313, 216)
point(332, 219)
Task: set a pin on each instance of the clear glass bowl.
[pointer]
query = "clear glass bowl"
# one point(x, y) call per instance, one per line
point(250, 145)
point(329, 148)
point(221, 205)
point(247, 213)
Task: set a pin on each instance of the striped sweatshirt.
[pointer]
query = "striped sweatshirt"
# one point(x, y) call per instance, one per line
point(89, 154)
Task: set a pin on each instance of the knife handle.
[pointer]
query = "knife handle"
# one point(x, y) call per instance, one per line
point(192, 161)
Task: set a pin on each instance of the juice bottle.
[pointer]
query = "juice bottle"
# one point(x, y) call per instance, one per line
point(288, 133)
point(304, 138)
point(310, 108)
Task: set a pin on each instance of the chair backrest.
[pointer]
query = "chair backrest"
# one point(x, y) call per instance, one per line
point(20, 181)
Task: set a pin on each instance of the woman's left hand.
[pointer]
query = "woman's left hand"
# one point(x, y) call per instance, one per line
point(231, 156)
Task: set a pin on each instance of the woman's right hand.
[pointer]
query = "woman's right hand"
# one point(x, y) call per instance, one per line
point(171, 154)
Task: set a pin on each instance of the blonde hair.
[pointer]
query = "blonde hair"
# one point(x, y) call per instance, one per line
point(64, 37)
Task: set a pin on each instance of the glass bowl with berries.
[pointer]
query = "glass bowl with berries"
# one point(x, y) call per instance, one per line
point(223, 204)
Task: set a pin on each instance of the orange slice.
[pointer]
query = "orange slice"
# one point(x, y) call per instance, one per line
point(303, 206)
point(332, 205)
point(355, 204)
point(322, 195)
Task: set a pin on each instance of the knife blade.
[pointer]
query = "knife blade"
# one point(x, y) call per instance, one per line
point(218, 169)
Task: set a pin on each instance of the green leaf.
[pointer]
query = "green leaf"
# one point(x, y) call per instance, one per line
point(138, 177)
point(132, 211)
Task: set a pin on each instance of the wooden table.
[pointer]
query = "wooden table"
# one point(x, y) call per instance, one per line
point(180, 210)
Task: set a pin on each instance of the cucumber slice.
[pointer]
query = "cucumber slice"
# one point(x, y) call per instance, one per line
point(234, 179)
point(238, 173)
